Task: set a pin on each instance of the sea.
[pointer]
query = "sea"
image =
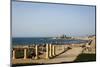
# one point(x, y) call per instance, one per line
point(43, 40)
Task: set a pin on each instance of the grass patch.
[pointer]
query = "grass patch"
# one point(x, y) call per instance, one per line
point(85, 58)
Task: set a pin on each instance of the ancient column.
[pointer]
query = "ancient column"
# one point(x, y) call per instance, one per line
point(50, 52)
point(36, 51)
point(14, 54)
point(25, 53)
point(47, 51)
point(53, 50)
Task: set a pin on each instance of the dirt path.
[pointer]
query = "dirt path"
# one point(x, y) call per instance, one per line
point(67, 56)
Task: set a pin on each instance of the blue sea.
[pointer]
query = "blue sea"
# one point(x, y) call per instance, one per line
point(44, 40)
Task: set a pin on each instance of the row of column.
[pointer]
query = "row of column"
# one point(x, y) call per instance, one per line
point(25, 54)
point(50, 52)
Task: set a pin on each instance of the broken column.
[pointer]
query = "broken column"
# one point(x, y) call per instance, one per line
point(36, 51)
point(25, 53)
point(13, 54)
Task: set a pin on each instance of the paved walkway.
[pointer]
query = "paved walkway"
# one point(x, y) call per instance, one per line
point(67, 56)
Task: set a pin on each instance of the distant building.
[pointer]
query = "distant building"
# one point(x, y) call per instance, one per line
point(64, 37)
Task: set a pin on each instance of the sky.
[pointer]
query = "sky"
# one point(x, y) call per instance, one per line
point(49, 20)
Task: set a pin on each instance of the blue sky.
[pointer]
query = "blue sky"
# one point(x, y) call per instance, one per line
point(47, 20)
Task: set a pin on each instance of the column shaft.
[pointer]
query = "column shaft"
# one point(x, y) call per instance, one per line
point(53, 50)
point(14, 54)
point(47, 51)
point(50, 52)
point(36, 51)
point(25, 53)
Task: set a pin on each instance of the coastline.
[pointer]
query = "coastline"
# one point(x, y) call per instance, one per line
point(64, 54)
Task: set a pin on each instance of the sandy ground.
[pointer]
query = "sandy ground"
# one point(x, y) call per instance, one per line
point(67, 56)
point(92, 47)
point(63, 55)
